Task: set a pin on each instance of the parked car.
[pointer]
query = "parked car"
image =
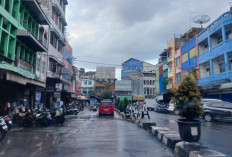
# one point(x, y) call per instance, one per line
point(171, 106)
point(106, 108)
point(210, 100)
point(161, 106)
point(217, 110)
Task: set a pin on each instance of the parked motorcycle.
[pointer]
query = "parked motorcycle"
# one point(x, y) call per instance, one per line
point(57, 116)
point(41, 118)
point(3, 128)
point(71, 110)
point(8, 121)
point(23, 118)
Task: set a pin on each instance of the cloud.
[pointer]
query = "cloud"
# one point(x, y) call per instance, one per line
point(112, 31)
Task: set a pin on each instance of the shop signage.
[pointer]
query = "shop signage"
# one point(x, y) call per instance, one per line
point(59, 86)
point(50, 89)
point(84, 77)
point(124, 85)
point(24, 65)
point(57, 94)
point(138, 98)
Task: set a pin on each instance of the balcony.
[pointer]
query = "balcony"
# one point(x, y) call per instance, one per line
point(63, 20)
point(24, 65)
point(58, 9)
point(65, 2)
point(34, 8)
point(28, 39)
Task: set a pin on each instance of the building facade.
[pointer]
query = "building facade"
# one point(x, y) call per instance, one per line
point(207, 57)
point(170, 65)
point(142, 75)
point(20, 39)
point(149, 84)
point(87, 85)
point(55, 10)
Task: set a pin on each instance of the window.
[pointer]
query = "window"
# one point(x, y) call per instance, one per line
point(170, 68)
point(90, 83)
point(177, 61)
point(169, 55)
point(38, 64)
point(144, 82)
point(178, 77)
point(150, 82)
point(192, 52)
point(44, 67)
point(53, 41)
point(184, 57)
point(151, 91)
point(222, 67)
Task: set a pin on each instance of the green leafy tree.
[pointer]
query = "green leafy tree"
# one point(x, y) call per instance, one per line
point(125, 102)
point(188, 99)
point(106, 94)
point(121, 104)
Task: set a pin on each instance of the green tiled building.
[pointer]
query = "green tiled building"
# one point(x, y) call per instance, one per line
point(20, 22)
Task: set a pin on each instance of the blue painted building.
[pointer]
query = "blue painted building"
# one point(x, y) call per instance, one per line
point(215, 58)
point(189, 58)
point(131, 66)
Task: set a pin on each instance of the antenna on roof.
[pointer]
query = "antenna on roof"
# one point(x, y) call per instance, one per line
point(230, 3)
point(201, 19)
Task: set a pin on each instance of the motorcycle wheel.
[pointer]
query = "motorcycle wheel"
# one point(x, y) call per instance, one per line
point(2, 135)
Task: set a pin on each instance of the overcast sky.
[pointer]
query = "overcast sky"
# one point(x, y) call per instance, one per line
point(112, 31)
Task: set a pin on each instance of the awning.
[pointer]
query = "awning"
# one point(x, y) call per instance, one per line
point(28, 39)
point(34, 8)
point(56, 60)
point(22, 80)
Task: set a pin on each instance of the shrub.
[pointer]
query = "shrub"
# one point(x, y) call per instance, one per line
point(188, 99)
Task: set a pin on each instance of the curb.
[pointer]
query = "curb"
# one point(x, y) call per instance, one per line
point(173, 141)
point(185, 149)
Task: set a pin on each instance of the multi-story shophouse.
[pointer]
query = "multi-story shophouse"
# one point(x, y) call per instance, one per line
point(104, 79)
point(67, 74)
point(87, 85)
point(20, 41)
point(215, 58)
point(207, 57)
point(142, 75)
point(167, 63)
point(149, 85)
point(55, 11)
point(76, 82)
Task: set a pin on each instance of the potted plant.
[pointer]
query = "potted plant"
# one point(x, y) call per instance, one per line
point(188, 104)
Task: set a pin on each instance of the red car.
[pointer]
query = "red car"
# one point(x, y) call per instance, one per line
point(106, 107)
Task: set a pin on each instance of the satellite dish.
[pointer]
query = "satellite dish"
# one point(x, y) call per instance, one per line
point(201, 19)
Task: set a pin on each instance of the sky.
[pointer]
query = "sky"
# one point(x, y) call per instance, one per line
point(112, 31)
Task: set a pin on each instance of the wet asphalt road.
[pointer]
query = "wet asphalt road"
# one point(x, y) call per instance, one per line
point(215, 135)
point(84, 136)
